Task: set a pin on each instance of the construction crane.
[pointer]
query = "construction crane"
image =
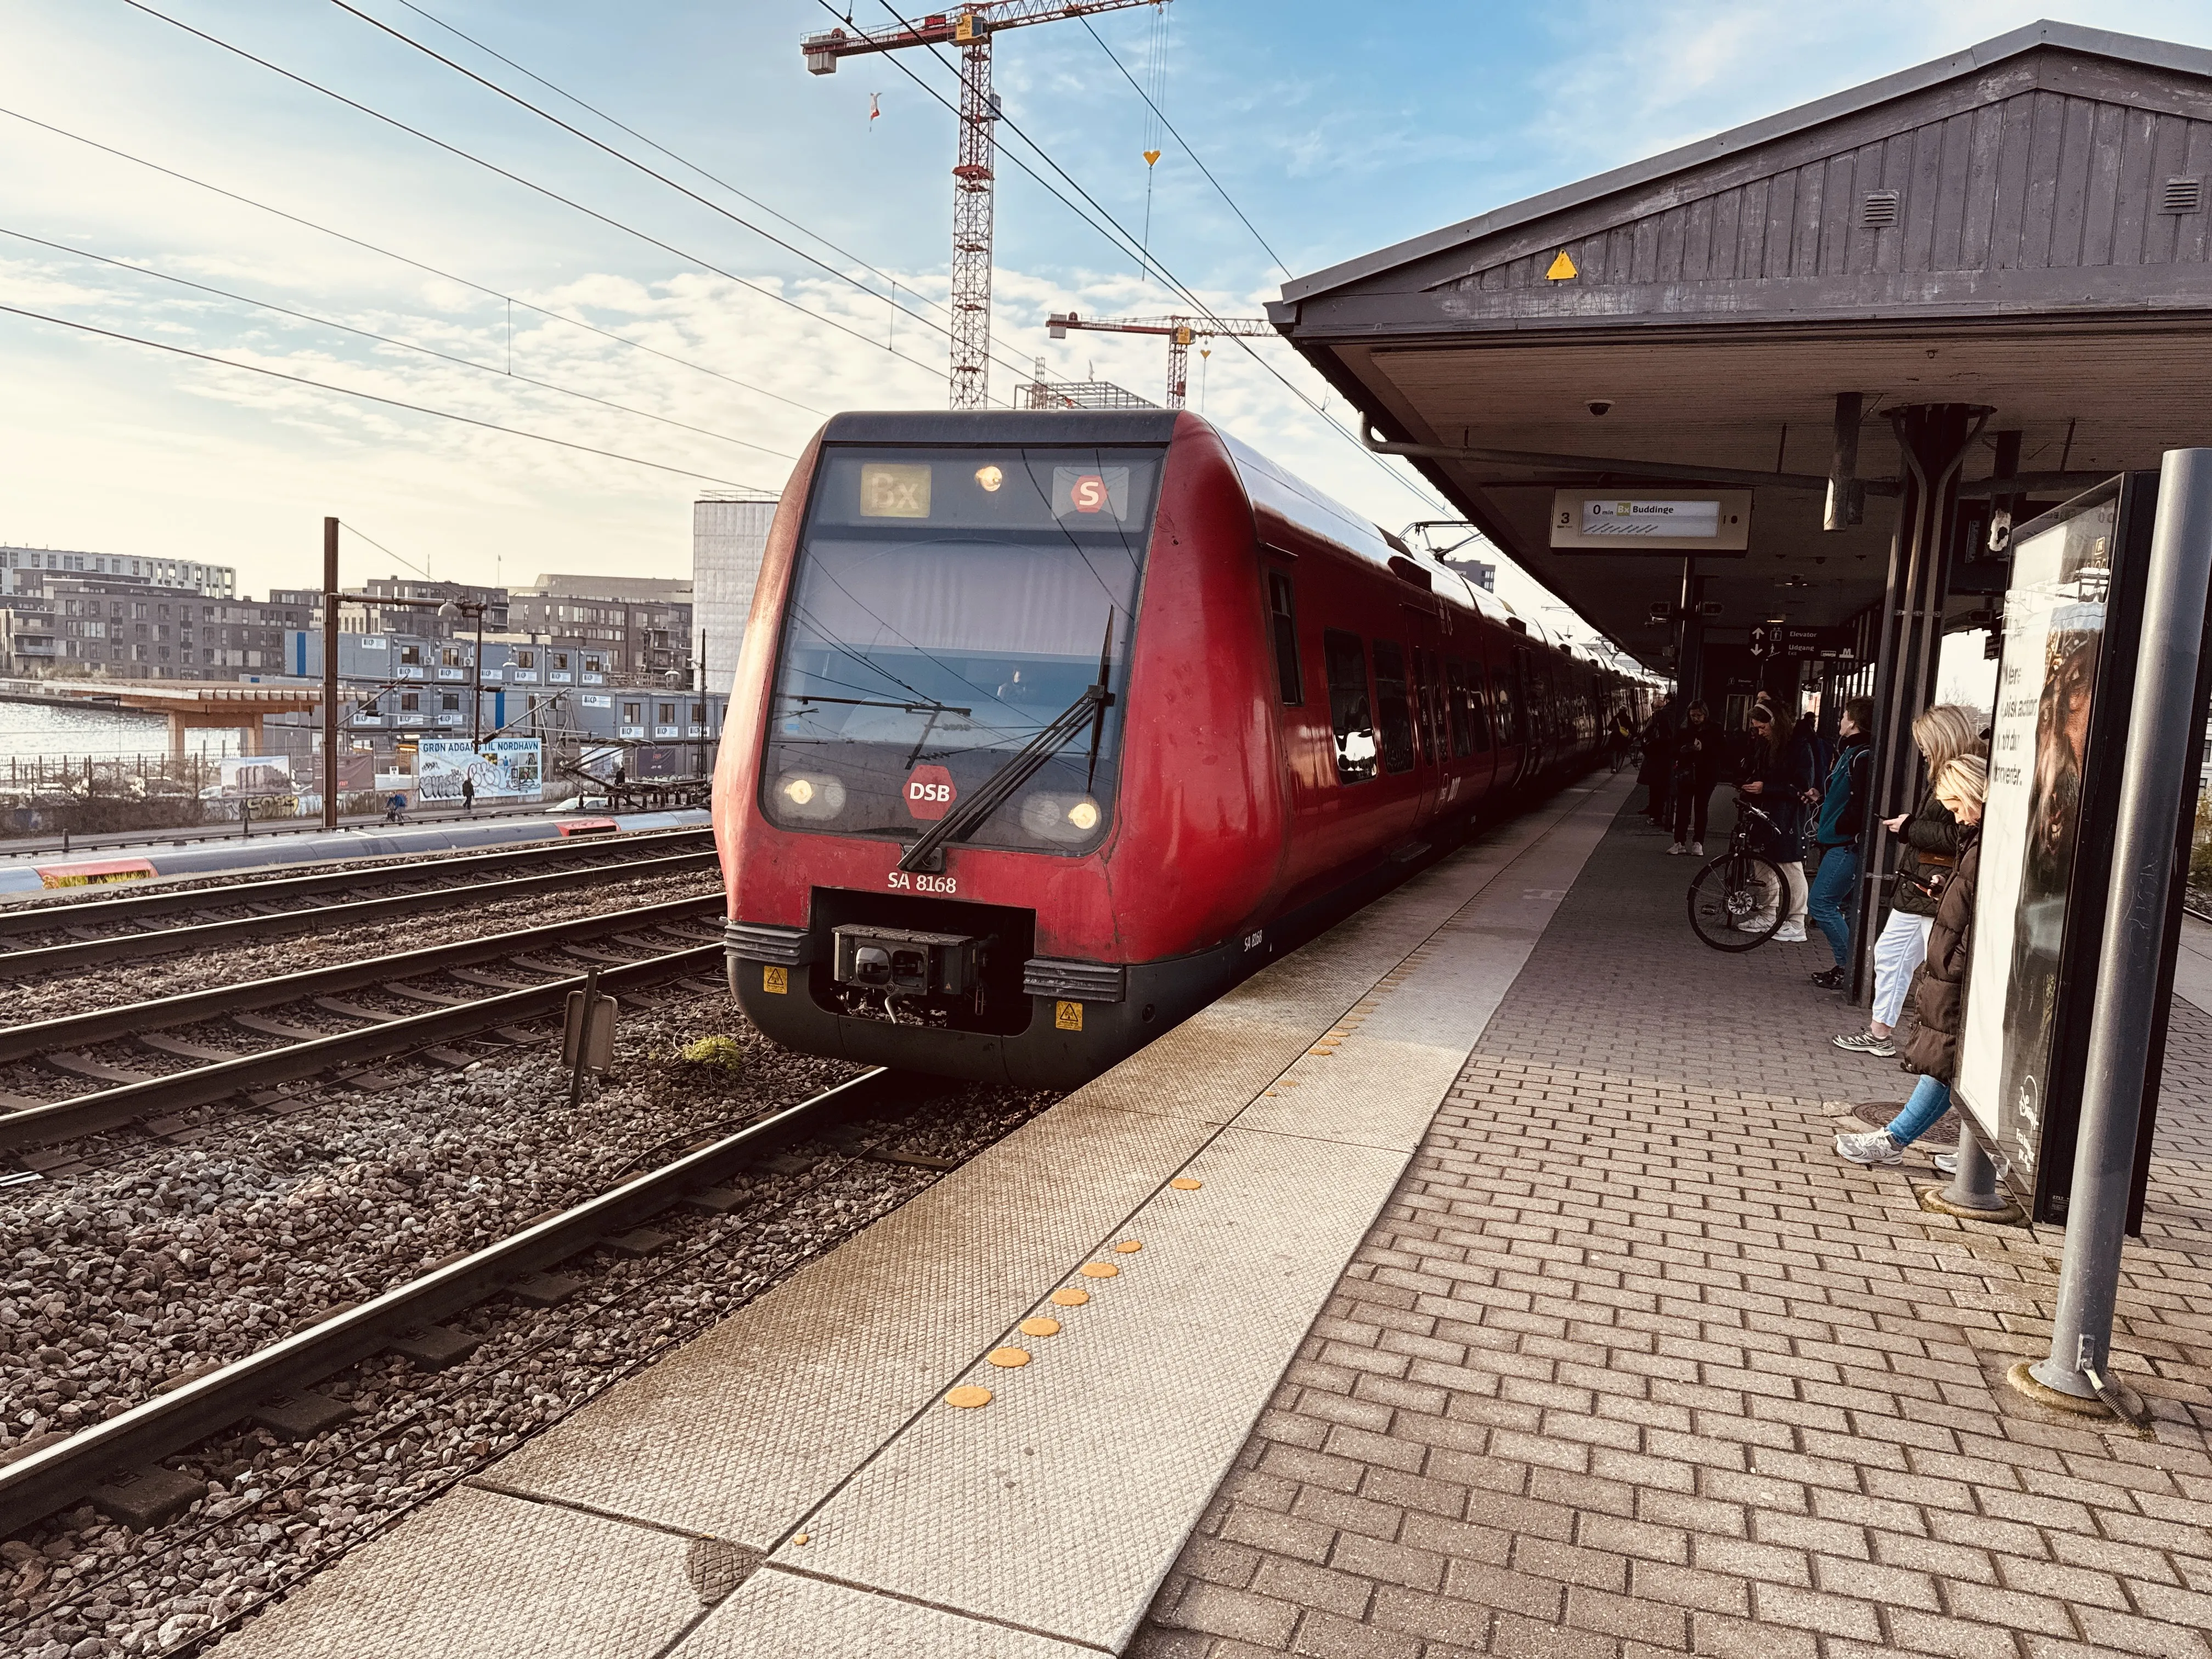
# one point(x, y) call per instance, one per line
point(1180, 332)
point(970, 28)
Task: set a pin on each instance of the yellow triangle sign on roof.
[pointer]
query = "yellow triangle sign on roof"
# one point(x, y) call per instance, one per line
point(1561, 269)
point(1152, 158)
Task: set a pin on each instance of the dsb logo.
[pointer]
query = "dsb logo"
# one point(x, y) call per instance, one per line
point(929, 792)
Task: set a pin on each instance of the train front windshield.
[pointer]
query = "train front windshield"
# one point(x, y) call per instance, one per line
point(947, 608)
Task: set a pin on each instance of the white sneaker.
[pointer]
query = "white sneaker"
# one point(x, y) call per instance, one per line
point(1676, 850)
point(1948, 1164)
point(1874, 1148)
point(1790, 933)
point(1697, 849)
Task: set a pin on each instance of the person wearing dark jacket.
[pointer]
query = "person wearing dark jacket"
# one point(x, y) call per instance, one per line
point(1930, 838)
point(1940, 999)
point(1699, 750)
point(1658, 768)
point(1842, 817)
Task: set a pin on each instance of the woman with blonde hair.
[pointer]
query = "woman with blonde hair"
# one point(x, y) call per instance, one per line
point(1940, 1000)
point(1947, 732)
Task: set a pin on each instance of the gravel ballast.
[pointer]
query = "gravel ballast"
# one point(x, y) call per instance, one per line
point(168, 1258)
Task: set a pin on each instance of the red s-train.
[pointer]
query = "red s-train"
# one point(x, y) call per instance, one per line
point(1049, 727)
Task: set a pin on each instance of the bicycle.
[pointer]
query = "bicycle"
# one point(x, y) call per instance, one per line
point(1736, 900)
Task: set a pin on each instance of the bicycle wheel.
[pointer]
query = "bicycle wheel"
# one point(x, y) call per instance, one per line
point(1734, 902)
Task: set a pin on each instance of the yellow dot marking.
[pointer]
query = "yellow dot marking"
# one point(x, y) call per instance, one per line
point(1039, 1325)
point(1070, 1296)
point(968, 1396)
point(1128, 1247)
point(1099, 1270)
point(799, 1538)
point(1186, 1184)
point(1008, 1359)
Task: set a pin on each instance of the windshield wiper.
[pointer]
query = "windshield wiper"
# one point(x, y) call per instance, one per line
point(871, 702)
point(927, 853)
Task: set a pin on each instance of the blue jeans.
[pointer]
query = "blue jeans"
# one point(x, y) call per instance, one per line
point(1931, 1099)
point(1829, 905)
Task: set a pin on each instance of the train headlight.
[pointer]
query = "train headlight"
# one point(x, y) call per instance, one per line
point(1061, 817)
point(810, 795)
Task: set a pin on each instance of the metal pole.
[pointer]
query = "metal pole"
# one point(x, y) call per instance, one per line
point(475, 688)
point(329, 673)
point(1975, 1185)
point(2134, 921)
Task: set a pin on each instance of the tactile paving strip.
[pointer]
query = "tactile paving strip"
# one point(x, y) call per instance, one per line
point(781, 1615)
point(742, 1431)
point(477, 1576)
point(1060, 1504)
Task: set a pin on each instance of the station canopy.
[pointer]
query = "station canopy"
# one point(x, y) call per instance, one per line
point(2020, 227)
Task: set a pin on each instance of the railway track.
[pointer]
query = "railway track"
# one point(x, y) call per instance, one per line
point(213, 1073)
point(289, 904)
point(122, 1453)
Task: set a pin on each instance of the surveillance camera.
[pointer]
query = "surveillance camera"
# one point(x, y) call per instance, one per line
point(1600, 405)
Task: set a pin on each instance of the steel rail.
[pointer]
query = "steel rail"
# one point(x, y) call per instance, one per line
point(168, 941)
point(63, 1473)
point(200, 1085)
point(16, 919)
point(188, 1008)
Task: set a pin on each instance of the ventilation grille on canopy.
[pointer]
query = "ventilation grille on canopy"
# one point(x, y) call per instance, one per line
point(2182, 195)
point(1879, 209)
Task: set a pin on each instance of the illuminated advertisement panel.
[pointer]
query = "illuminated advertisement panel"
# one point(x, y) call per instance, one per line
point(2072, 637)
point(2054, 635)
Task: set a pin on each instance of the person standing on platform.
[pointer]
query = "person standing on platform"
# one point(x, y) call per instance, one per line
point(1698, 748)
point(468, 795)
point(1947, 732)
point(1843, 816)
point(1941, 998)
point(1657, 771)
point(1782, 783)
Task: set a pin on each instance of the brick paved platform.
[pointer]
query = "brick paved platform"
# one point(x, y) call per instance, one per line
point(1634, 1365)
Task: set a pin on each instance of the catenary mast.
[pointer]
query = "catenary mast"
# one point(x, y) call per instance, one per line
point(970, 28)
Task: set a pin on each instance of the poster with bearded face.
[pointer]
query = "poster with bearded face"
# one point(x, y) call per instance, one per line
point(2054, 631)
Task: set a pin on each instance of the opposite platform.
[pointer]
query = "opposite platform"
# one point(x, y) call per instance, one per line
point(1127, 1276)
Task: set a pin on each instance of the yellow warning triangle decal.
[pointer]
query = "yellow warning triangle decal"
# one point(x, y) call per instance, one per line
point(1152, 158)
point(1561, 269)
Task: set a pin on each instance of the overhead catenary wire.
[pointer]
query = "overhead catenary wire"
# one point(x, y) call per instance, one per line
point(392, 340)
point(890, 300)
point(1113, 231)
point(1161, 115)
point(682, 161)
point(403, 259)
point(375, 397)
point(545, 191)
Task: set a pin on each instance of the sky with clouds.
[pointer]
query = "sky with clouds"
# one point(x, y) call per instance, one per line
point(248, 217)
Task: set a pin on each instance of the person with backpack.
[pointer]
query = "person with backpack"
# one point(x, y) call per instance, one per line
point(1836, 833)
point(1940, 998)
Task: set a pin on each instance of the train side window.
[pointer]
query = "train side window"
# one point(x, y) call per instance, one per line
point(1455, 708)
point(1510, 732)
point(1350, 714)
point(1394, 712)
point(1284, 615)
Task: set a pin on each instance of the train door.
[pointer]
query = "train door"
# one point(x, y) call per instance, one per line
point(1427, 727)
point(1467, 715)
point(1308, 743)
point(1528, 696)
